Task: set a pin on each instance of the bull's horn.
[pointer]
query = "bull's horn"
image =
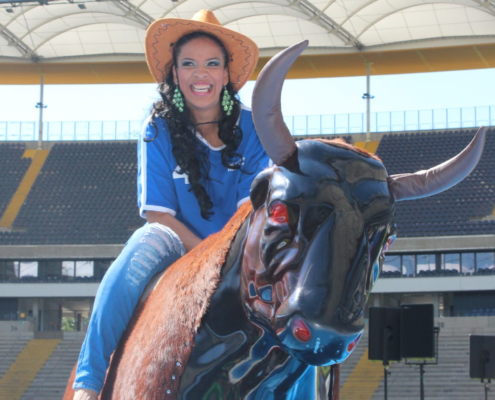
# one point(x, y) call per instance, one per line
point(267, 110)
point(439, 178)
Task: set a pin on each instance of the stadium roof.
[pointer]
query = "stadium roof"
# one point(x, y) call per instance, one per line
point(79, 41)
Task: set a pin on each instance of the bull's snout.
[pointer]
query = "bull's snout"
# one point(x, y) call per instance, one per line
point(314, 344)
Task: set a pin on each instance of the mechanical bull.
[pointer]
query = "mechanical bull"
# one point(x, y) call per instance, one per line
point(282, 287)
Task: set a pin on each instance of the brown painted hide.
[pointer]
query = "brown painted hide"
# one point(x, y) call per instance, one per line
point(157, 343)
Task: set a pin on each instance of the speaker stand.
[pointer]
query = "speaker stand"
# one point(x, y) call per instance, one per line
point(386, 373)
point(422, 364)
point(387, 336)
point(485, 358)
point(421, 382)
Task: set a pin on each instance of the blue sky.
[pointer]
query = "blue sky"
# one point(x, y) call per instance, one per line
point(300, 97)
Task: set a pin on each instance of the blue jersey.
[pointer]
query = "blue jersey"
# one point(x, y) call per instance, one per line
point(163, 187)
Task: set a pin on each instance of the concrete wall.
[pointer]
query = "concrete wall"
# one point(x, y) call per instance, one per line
point(15, 327)
point(66, 252)
point(432, 285)
point(475, 323)
point(19, 290)
point(443, 243)
point(109, 251)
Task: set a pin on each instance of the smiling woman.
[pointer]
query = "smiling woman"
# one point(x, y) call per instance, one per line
point(198, 155)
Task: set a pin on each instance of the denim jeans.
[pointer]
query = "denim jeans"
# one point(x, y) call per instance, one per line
point(150, 250)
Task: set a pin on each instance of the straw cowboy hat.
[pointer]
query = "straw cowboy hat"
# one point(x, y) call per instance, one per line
point(162, 34)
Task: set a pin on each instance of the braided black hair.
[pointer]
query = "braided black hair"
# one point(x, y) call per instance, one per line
point(182, 130)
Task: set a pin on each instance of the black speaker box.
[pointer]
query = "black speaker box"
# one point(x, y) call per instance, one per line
point(417, 331)
point(384, 319)
point(481, 357)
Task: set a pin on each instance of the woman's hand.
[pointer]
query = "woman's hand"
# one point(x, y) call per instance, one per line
point(189, 239)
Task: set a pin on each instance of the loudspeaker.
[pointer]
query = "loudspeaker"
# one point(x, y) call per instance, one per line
point(384, 320)
point(481, 357)
point(417, 331)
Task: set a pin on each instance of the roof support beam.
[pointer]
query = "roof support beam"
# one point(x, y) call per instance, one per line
point(131, 11)
point(489, 5)
point(13, 40)
point(326, 22)
point(24, 10)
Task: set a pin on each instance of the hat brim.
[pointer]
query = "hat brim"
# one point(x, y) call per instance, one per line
point(164, 33)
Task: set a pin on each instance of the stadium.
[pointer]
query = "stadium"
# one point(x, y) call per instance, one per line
point(68, 199)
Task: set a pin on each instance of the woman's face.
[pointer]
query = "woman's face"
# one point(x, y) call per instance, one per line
point(201, 75)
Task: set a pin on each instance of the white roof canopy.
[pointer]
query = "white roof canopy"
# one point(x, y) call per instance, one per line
point(116, 28)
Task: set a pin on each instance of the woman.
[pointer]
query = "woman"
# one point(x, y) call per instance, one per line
point(197, 158)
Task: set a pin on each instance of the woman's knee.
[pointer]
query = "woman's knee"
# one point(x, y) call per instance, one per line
point(163, 237)
point(157, 247)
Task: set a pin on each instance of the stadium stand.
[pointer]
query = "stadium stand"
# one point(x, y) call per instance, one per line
point(358, 376)
point(449, 380)
point(10, 347)
point(84, 194)
point(467, 208)
point(51, 380)
point(13, 167)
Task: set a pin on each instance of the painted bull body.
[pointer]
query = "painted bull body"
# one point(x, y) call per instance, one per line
point(283, 287)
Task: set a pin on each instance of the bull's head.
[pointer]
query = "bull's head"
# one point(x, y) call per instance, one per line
point(322, 221)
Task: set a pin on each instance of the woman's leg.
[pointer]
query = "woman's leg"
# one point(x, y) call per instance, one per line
point(150, 250)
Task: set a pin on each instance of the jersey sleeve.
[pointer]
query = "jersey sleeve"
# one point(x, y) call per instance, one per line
point(255, 161)
point(156, 189)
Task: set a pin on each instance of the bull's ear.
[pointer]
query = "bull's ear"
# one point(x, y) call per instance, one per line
point(442, 177)
point(259, 191)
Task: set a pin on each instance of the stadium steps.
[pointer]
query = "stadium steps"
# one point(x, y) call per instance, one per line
point(363, 380)
point(24, 369)
point(449, 380)
point(51, 380)
point(10, 347)
point(27, 182)
point(370, 147)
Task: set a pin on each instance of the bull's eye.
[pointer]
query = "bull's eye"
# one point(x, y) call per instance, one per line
point(279, 213)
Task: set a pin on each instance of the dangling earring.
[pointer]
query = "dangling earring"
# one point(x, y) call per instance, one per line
point(227, 102)
point(177, 101)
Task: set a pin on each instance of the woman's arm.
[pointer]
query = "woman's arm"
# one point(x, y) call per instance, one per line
point(189, 239)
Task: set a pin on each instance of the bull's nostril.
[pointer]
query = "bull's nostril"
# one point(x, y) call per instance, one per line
point(353, 344)
point(301, 330)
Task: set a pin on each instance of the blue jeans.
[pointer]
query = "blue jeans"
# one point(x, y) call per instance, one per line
point(150, 250)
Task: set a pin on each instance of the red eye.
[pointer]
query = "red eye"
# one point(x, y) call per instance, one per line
point(279, 213)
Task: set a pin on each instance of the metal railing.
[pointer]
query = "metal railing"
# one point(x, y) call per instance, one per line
point(71, 131)
point(303, 125)
point(392, 121)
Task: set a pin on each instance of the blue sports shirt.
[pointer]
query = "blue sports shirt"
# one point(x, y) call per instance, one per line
point(163, 187)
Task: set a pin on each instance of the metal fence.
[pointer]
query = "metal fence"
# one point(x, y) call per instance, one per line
point(392, 121)
point(70, 131)
point(303, 125)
